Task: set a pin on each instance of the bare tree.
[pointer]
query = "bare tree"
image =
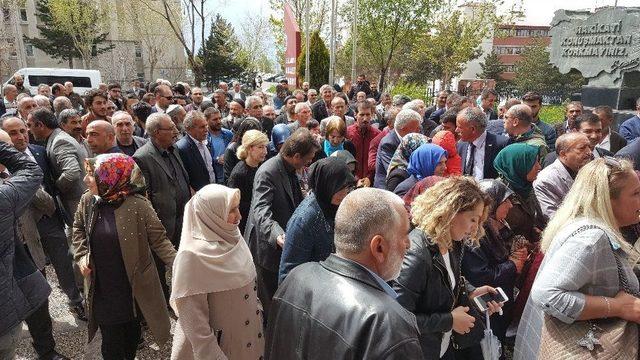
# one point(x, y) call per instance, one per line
point(187, 19)
point(150, 30)
point(255, 41)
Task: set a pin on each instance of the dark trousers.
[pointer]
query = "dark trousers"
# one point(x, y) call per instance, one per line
point(120, 341)
point(41, 330)
point(267, 286)
point(471, 353)
point(54, 242)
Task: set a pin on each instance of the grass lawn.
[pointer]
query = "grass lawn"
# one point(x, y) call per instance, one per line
point(552, 114)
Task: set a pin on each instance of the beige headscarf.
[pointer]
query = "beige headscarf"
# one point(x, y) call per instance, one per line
point(213, 256)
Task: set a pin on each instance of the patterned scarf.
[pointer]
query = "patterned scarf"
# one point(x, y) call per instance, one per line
point(117, 176)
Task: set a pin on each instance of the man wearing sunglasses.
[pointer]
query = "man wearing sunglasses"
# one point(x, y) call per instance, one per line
point(164, 98)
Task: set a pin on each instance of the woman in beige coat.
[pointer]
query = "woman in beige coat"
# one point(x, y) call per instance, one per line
point(114, 231)
point(214, 291)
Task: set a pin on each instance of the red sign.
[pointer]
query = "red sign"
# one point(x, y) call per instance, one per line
point(292, 32)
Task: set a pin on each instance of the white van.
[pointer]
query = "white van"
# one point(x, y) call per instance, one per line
point(83, 80)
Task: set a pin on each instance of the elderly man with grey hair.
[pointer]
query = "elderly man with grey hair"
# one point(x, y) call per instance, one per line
point(42, 101)
point(477, 147)
point(166, 178)
point(253, 106)
point(322, 108)
point(9, 100)
point(518, 124)
point(418, 106)
point(371, 239)
point(61, 103)
point(70, 121)
point(124, 127)
point(406, 122)
point(302, 114)
point(196, 152)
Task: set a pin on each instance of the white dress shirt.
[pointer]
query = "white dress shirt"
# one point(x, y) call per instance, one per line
point(206, 156)
point(606, 142)
point(478, 156)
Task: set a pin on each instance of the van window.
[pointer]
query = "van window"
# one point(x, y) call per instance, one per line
point(78, 81)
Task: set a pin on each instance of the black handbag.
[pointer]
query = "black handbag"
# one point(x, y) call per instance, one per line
point(473, 337)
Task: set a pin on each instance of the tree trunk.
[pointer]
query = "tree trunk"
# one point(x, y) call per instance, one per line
point(71, 62)
point(383, 74)
point(152, 68)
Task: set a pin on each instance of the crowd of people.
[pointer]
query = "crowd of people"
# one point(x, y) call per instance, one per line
point(329, 224)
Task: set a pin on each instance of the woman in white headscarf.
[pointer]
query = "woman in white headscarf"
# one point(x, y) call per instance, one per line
point(214, 292)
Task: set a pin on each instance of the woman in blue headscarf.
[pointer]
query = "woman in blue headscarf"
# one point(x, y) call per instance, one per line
point(427, 160)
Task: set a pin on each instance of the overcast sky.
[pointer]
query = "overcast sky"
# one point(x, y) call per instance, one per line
point(538, 12)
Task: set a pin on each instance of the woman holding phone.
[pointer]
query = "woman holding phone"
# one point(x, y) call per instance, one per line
point(430, 284)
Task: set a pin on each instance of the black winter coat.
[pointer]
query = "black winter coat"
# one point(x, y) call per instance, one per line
point(424, 288)
point(23, 289)
point(337, 310)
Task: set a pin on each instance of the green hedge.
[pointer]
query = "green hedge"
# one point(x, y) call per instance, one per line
point(552, 114)
point(414, 91)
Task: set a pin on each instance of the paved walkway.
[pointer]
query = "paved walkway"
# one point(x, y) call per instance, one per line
point(71, 333)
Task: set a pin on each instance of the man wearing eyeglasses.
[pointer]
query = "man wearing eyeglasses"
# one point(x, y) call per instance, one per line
point(164, 98)
point(166, 178)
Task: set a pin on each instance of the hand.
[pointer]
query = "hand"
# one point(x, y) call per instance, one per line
point(462, 322)
point(625, 306)
point(492, 306)
point(363, 183)
point(280, 240)
point(85, 270)
point(519, 257)
point(220, 159)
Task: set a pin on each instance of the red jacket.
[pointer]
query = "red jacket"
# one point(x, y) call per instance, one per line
point(373, 148)
point(362, 149)
point(446, 140)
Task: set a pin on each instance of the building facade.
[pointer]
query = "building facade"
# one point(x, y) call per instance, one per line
point(129, 59)
point(510, 40)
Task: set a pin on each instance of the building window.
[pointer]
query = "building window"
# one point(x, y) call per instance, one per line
point(28, 48)
point(509, 68)
point(522, 33)
point(138, 51)
point(23, 15)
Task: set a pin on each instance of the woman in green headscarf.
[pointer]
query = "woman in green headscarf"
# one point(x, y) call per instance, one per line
point(518, 166)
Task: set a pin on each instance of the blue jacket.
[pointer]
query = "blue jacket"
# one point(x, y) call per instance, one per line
point(386, 149)
point(24, 289)
point(630, 128)
point(309, 237)
point(226, 136)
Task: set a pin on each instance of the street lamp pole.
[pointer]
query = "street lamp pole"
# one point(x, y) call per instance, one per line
point(354, 37)
point(307, 71)
point(332, 54)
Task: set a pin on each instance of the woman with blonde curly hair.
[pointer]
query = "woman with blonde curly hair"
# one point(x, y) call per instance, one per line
point(251, 154)
point(430, 284)
point(586, 275)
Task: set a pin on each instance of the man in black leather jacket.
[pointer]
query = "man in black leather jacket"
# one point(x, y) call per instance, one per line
point(342, 308)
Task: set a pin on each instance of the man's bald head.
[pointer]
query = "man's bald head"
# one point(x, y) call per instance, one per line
point(371, 228)
point(100, 136)
point(17, 130)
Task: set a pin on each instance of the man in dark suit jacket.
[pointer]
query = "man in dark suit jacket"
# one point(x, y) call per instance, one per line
point(407, 121)
point(165, 175)
point(167, 180)
point(321, 108)
point(611, 140)
point(632, 153)
point(195, 151)
point(276, 195)
point(474, 141)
